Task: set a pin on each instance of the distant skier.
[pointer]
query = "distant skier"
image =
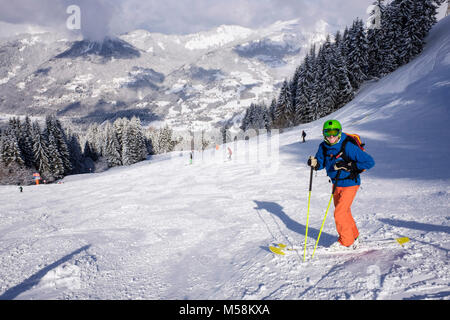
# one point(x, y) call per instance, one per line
point(229, 154)
point(350, 164)
point(303, 135)
point(20, 188)
point(190, 156)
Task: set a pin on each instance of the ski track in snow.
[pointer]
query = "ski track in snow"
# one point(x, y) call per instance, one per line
point(163, 229)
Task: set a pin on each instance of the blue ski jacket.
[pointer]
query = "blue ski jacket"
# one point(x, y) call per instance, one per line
point(362, 159)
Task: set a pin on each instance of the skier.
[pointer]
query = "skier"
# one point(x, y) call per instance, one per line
point(190, 160)
point(229, 154)
point(348, 180)
point(303, 135)
point(20, 188)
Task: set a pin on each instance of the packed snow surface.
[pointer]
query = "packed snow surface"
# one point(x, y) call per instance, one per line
point(164, 229)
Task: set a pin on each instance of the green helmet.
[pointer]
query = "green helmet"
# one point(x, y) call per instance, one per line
point(331, 128)
point(332, 124)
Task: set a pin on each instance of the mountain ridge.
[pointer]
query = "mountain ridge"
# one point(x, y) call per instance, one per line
point(232, 67)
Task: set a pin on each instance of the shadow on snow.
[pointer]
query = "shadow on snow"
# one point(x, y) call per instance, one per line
point(27, 284)
point(275, 209)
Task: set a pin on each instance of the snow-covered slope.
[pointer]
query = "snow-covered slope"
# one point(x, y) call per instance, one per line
point(163, 229)
point(203, 78)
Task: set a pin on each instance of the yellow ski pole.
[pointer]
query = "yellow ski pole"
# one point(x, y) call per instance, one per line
point(307, 213)
point(326, 212)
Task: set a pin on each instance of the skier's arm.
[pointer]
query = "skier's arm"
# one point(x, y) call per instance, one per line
point(320, 159)
point(363, 160)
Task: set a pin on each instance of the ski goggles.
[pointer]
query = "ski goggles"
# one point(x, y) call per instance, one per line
point(331, 132)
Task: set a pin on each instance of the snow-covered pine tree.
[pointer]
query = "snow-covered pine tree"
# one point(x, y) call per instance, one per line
point(356, 48)
point(304, 90)
point(409, 43)
point(163, 142)
point(133, 143)
point(225, 133)
point(257, 117)
point(57, 169)
point(14, 124)
point(374, 43)
point(119, 127)
point(424, 15)
point(127, 146)
point(387, 44)
point(261, 117)
point(272, 108)
point(344, 91)
point(112, 146)
point(394, 31)
point(76, 155)
point(26, 142)
point(299, 102)
point(54, 126)
point(94, 137)
point(283, 109)
point(40, 151)
point(88, 153)
point(246, 119)
point(326, 79)
point(140, 146)
point(265, 118)
point(10, 152)
point(293, 86)
point(314, 90)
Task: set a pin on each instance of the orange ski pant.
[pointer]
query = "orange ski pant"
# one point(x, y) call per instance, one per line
point(345, 224)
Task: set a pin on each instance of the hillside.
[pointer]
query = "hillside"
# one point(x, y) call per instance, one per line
point(164, 229)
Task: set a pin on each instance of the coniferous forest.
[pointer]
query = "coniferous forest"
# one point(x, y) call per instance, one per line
point(53, 151)
point(332, 73)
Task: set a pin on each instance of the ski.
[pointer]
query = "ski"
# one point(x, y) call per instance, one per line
point(364, 246)
point(283, 249)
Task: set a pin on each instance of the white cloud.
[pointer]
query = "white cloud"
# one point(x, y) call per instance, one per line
point(187, 16)
point(102, 17)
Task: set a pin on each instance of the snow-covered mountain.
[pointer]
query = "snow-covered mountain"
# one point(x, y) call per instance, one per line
point(189, 80)
point(164, 229)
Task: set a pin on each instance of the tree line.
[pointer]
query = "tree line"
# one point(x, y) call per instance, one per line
point(332, 73)
point(28, 147)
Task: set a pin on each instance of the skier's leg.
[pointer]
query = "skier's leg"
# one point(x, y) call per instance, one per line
point(345, 224)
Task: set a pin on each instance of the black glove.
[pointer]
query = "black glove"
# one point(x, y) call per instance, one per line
point(312, 162)
point(347, 166)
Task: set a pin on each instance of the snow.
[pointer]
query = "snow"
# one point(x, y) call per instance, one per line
point(11, 74)
point(446, 60)
point(79, 80)
point(218, 37)
point(164, 229)
point(161, 45)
